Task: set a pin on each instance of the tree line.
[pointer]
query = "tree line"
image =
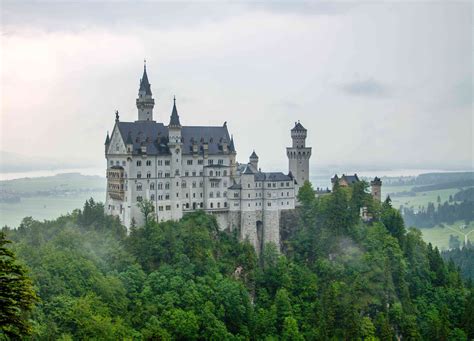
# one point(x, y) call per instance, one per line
point(337, 278)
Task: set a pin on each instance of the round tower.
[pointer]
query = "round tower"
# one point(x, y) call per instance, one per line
point(253, 159)
point(298, 156)
point(145, 101)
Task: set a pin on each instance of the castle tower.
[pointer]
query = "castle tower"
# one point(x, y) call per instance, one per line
point(376, 186)
point(175, 144)
point(232, 157)
point(253, 159)
point(145, 101)
point(298, 156)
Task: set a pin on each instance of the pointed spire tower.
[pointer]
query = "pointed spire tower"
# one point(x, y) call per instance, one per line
point(145, 101)
point(174, 119)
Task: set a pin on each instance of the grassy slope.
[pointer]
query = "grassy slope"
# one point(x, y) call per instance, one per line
point(439, 236)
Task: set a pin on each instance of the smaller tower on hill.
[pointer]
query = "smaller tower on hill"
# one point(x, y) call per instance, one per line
point(376, 186)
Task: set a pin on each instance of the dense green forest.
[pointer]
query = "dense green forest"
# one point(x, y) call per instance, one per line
point(337, 278)
point(463, 257)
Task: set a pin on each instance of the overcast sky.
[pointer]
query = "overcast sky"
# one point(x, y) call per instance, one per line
point(376, 85)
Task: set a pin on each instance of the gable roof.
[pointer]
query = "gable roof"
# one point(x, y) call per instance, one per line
point(155, 136)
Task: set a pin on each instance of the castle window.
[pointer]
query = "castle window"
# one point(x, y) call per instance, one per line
point(218, 205)
point(152, 186)
point(249, 195)
point(269, 204)
point(218, 194)
point(202, 204)
point(152, 197)
point(160, 162)
point(210, 162)
point(201, 173)
point(282, 184)
point(186, 173)
point(287, 184)
point(211, 194)
point(139, 198)
point(148, 175)
point(139, 187)
point(187, 205)
point(274, 184)
point(167, 196)
point(168, 207)
point(176, 172)
point(225, 194)
point(194, 184)
point(160, 174)
point(139, 163)
point(160, 197)
point(160, 185)
point(167, 185)
point(220, 162)
point(160, 208)
point(248, 185)
point(190, 162)
point(139, 175)
point(194, 173)
point(225, 173)
point(269, 185)
point(148, 162)
point(111, 162)
point(177, 195)
point(167, 162)
point(211, 173)
point(225, 204)
point(212, 205)
point(183, 184)
point(200, 184)
point(236, 195)
point(124, 163)
point(200, 162)
point(167, 175)
point(194, 195)
point(225, 184)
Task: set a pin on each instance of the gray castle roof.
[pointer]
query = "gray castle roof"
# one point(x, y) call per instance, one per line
point(144, 83)
point(272, 176)
point(298, 126)
point(254, 155)
point(350, 179)
point(154, 136)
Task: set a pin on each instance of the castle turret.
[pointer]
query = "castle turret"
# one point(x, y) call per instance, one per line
point(107, 143)
point(376, 186)
point(175, 146)
point(298, 156)
point(253, 159)
point(145, 101)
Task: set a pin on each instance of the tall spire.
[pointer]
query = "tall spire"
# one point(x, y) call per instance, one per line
point(145, 101)
point(107, 139)
point(231, 144)
point(144, 83)
point(174, 119)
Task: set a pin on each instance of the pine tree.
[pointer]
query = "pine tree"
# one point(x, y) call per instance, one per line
point(17, 296)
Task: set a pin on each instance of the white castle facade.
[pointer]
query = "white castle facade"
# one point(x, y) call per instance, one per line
point(181, 169)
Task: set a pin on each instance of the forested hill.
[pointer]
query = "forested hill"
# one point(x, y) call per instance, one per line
point(339, 278)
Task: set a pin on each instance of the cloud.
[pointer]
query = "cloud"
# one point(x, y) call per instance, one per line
point(366, 88)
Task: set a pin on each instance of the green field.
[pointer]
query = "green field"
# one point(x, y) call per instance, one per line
point(417, 199)
point(439, 236)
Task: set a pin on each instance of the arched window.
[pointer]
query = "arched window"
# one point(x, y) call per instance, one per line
point(152, 197)
point(152, 186)
point(167, 185)
point(139, 187)
point(211, 173)
point(160, 185)
point(211, 194)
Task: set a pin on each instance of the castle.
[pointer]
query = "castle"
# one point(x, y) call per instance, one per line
point(181, 169)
